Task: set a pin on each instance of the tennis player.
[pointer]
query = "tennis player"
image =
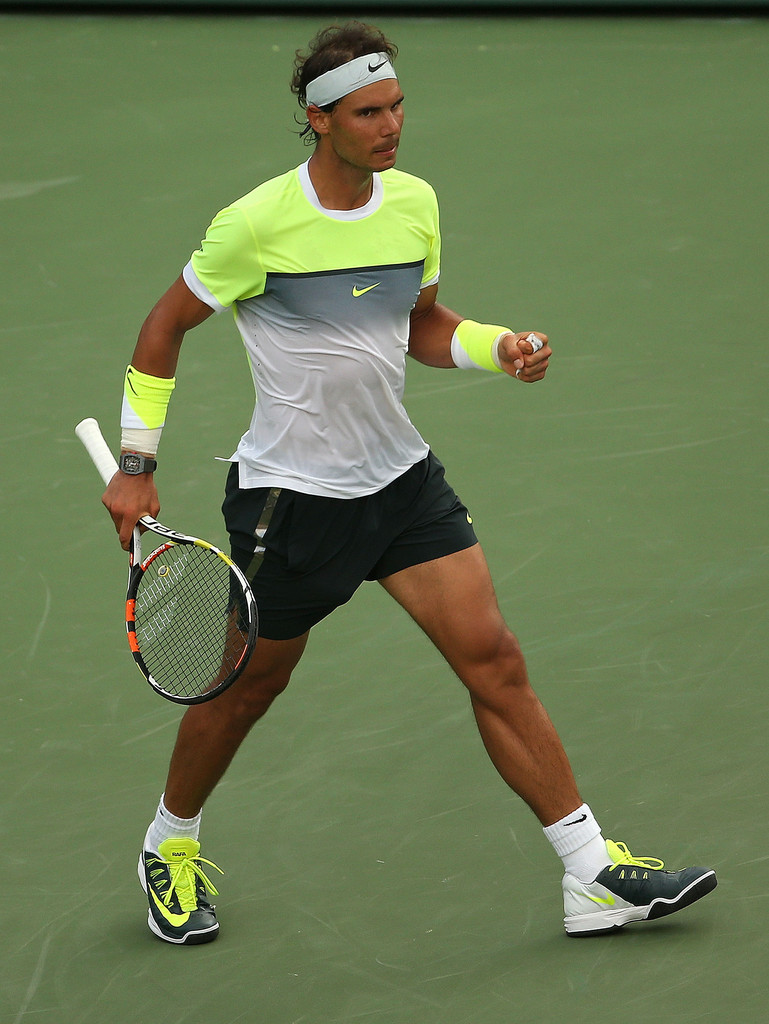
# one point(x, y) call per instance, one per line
point(331, 270)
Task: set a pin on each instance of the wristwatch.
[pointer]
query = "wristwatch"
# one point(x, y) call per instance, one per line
point(134, 464)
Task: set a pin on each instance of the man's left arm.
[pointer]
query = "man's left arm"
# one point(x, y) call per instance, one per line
point(433, 327)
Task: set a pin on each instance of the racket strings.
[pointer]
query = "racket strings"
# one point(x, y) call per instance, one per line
point(189, 621)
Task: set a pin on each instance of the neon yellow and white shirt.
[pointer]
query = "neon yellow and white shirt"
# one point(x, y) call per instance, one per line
point(322, 301)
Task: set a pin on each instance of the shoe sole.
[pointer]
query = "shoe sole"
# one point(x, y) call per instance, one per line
point(610, 920)
point(191, 938)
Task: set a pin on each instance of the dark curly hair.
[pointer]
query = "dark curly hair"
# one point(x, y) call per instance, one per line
point(332, 47)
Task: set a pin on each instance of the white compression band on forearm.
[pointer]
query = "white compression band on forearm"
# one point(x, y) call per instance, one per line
point(134, 439)
point(474, 346)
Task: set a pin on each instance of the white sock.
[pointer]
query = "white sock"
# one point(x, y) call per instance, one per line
point(577, 840)
point(168, 826)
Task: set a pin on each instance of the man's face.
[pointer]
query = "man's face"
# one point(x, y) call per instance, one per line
point(364, 128)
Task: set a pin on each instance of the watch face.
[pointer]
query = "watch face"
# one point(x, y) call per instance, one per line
point(131, 463)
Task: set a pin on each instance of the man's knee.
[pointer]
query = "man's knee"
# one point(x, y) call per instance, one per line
point(265, 677)
point(256, 689)
point(497, 666)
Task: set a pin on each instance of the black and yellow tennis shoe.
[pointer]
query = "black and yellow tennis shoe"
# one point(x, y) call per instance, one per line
point(176, 886)
point(630, 889)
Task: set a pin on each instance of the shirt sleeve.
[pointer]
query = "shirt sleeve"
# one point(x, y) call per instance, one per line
point(227, 264)
point(432, 269)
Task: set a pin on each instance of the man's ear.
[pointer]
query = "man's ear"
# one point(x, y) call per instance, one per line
point(318, 119)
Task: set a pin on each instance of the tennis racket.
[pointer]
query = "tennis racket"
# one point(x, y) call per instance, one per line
point(191, 617)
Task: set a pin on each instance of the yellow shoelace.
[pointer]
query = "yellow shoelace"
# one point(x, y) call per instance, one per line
point(622, 857)
point(183, 876)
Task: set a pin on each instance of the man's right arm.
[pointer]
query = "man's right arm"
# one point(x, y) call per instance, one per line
point(128, 498)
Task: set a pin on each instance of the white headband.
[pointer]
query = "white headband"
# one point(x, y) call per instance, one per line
point(355, 74)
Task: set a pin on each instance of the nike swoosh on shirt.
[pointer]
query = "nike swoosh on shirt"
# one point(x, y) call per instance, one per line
point(357, 292)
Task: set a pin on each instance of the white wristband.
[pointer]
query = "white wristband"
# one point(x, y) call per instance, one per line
point(135, 439)
point(495, 350)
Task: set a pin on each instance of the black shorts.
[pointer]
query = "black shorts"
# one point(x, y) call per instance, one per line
point(305, 555)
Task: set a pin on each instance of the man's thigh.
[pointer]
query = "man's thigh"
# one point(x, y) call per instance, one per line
point(452, 599)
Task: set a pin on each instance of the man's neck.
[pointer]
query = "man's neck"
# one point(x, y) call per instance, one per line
point(338, 185)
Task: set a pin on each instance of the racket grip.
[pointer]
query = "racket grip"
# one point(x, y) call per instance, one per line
point(91, 436)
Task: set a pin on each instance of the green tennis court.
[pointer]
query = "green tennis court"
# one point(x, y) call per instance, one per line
point(602, 180)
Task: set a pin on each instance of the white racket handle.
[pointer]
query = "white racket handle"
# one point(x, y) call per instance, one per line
point(535, 342)
point(91, 436)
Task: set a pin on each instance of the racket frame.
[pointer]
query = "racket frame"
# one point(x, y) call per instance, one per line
point(90, 435)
